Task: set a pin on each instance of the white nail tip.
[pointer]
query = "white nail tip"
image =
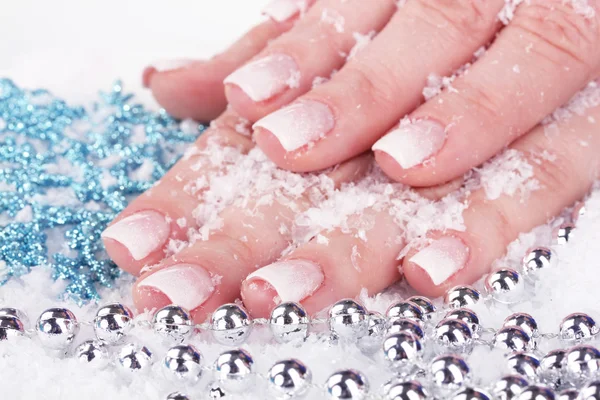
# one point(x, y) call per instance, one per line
point(186, 285)
point(442, 259)
point(293, 280)
point(172, 64)
point(282, 10)
point(412, 143)
point(141, 233)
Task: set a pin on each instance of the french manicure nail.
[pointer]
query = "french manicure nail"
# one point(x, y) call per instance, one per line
point(264, 78)
point(186, 285)
point(141, 233)
point(172, 64)
point(298, 124)
point(412, 143)
point(282, 10)
point(293, 280)
point(442, 259)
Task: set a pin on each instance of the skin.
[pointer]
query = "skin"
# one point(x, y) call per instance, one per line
point(557, 53)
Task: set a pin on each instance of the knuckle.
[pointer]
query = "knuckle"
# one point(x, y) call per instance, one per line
point(555, 174)
point(479, 101)
point(467, 17)
point(373, 81)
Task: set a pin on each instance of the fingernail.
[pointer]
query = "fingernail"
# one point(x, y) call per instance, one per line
point(412, 143)
point(282, 10)
point(442, 259)
point(264, 78)
point(293, 280)
point(141, 233)
point(171, 64)
point(299, 123)
point(185, 285)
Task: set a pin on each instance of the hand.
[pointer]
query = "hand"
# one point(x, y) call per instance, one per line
point(505, 94)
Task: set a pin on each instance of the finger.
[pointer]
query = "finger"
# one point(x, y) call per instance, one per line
point(315, 47)
point(564, 164)
point(140, 235)
point(194, 89)
point(547, 53)
point(384, 82)
point(208, 272)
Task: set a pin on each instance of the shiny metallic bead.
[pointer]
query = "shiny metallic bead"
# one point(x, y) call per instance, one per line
point(461, 296)
point(524, 364)
point(407, 325)
point(348, 319)
point(112, 322)
point(16, 313)
point(469, 393)
point(570, 394)
point(10, 327)
point(505, 285)
point(449, 372)
point(289, 379)
point(183, 363)
point(406, 310)
point(512, 338)
point(173, 322)
point(289, 322)
point(509, 387)
point(376, 331)
point(230, 324)
point(410, 390)
point(552, 367)
point(93, 353)
point(536, 392)
point(177, 396)
point(583, 362)
point(453, 333)
point(56, 328)
point(401, 350)
point(538, 258)
point(467, 316)
point(234, 370)
point(564, 233)
point(347, 385)
point(427, 307)
point(134, 358)
point(591, 391)
point(523, 321)
point(578, 327)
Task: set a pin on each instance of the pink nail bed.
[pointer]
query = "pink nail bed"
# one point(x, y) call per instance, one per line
point(442, 258)
point(171, 64)
point(282, 10)
point(298, 124)
point(186, 285)
point(264, 78)
point(141, 233)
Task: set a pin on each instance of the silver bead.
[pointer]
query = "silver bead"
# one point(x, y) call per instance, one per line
point(571, 394)
point(183, 363)
point(523, 321)
point(177, 396)
point(524, 364)
point(551, 370)
point(591, 391)
point(407, 325)
point(536, 392)
point(215, 391)
point(230, 324)
point(347, 385)
point(453, 333)
point(467, 316)
point(461, 296)
point(505, 285)
point(509, 387)
point(173, 322)
point(376, 331)
point(56, 328)
point(578, 327)
point(10, 327)
point(427, 307)
point(112, 322)
point(348, 319)
point(471, 394)
point(16, 313)
point(449, 372)
point(401, 350)
point(410, 390)
point(512, 338)
point(133, 357)
point(289, 322)
point(537, 259)
point(234, 370)
point(405, 309)
point(564, 233)
point(289, 379)
point(93, 353)
point(583, 362)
